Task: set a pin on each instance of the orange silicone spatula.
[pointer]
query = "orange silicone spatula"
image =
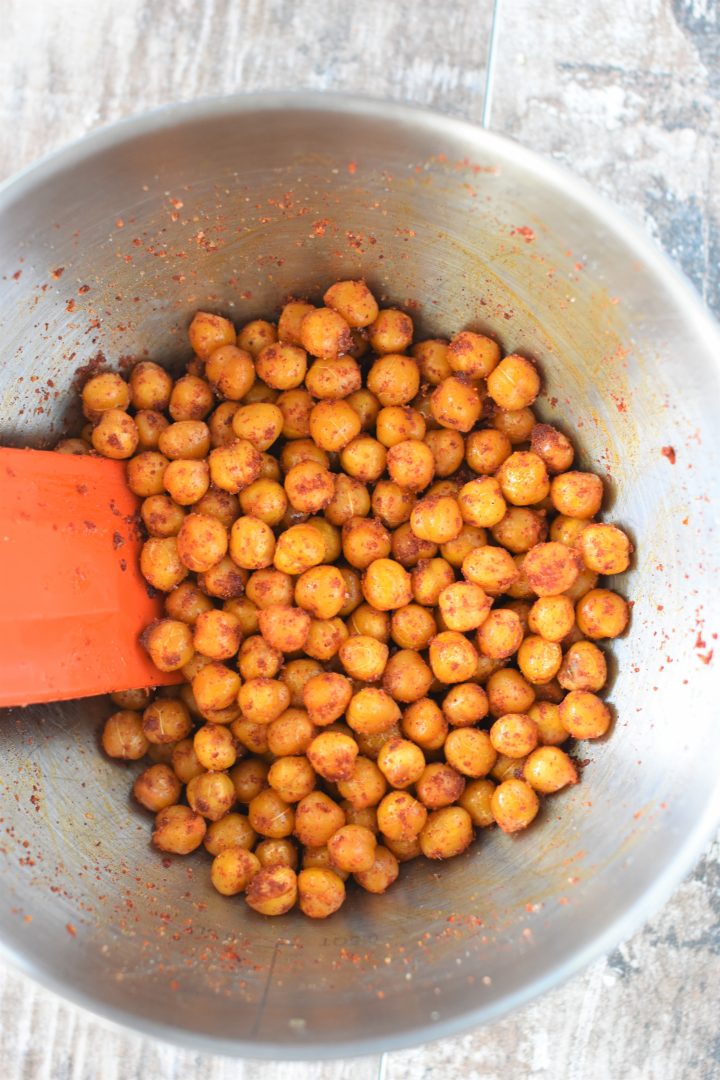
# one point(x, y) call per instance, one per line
point(73, 600)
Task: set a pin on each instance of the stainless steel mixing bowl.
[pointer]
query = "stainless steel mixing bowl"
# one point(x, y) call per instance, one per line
point(106, 249)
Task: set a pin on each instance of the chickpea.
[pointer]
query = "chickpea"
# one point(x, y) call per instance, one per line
point(391, 504)
point(178, 830)
point(412, 627)
point(464, 705)
point(245, 611)
point(259, 424)
point(386, 585)
point(515, 735)
point(401, 762)
point(508, 692)
point(321, 892)
point(553, 447)
point(270, 815)
point(263, 700)
point(364, 657)
point(464, 606)
point(448, 450)
point(352, 849)
point(232, 831)
point(282, 365)
point(514, 805)
point(397, 423)
point(299, 549)
point(201, 542)
point(169, 644)
point(602, 614)
point(161, 516)
point(325, 637)
point(295, 406)
point(281, 852)
point(232, 870)
point(235, 466)
point(209, 332)
point(269, 588)
point(486, 667)
point(291, 317)
point(291, 733)
point(215, 747)
point(577, 494)
point(292, 778)
point(249, 779)
point(583, 668)
point(549, 769)
point(150, 425)
point(523, 478)
point(325, 333)
point(332, 755)
point(321, 591)
point(365, 787)
point(394, 379)
point(567, 530)
point(481, 502)
point(115, 435)
point(273, 890)
point(364, 459)
point(353, 301)
point(436, 518)
point(539, 660)
point(184, 761)
point(326, 697)
point(131, 700)
point(551, 568)
point(220, 424)
point(320, 857)
point(366, 405)
point(428, 580)
point(403, 850)
point(104, 392)
point(432, 359)
point(123, 736)
point(225, 580)
point(188, 440)
point(350, 501)
point(186, 481)
point(455, 403)
point(145, 473)
point(473, 354)
point(371, 711)
point(447, 833)
point(191, 399)
point(391, 331)
point(424, 723)
point(366, 619)
point(514, 383)
point(317, 818)
point(215, 687)
point(211, 794)
point(230, 371)
point(332, 380)
point(252, 544)
point(491, 568)
point(583, 584)
point(552, 617)
point(333, 548)
point(605, 549)
point(408, 550)
point(439, 785)
point(453, 658)
point(218, 504)
point(284, 628)
point(400, 816)
point(381, 875)
point(411, 464)
point(476, 799)
point(500, 635)
point(546, 715)
point(157, 788)
point(520, 529)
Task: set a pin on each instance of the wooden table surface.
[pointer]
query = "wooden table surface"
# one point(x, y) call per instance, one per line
point(626, 93)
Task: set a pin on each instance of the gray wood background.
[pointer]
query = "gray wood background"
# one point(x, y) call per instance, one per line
point(626, 93)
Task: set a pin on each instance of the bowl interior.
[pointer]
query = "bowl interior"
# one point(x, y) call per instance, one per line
point(107, 249)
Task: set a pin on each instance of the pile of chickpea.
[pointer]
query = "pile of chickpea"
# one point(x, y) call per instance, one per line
point(381, 578)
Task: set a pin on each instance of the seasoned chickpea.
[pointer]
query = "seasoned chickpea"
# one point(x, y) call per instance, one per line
point(432, 359)
point(270, 815)
point(215, 687)
point(132, 700)
point(191, 399)
point(473, 354)
point(352, 849)
point(332, 543)
point(400, 816)
point(523, 478)
point(464, 606)
point(605, 549)
point(291, 733)
point(208, 332)
point(386, 585)
point(201, 542)
point(551, 568)
point(408, 549)
point(481, 502)
point(470, 751)
point(220, 424)
point(397, 423)
point(486, 450)
point(455, 403)
point(235, 466)
point(310, 487)
point(500, 635)
point(546, 715)
point(364, 458)
point(282, 365)
point(411, 464)
point(232, 831)
point(439, 785)
point(577, 494)
point(259, 424)
point(394, 379)
point(123, 736)
point(263, 700)
point(424, 723)
point(292, 778)
point(188, 440)
point(401, 762)
point(391, 331)
point(282, 852)
point(145, 473)
point(583, 584)
point(211, 794)
point(320, 857)
point(104, 392)
point(295, 406)
point(553, 447)
point(548, 769)
point(325, 333)
point(403, 850)
point(232, 870)
point(169, 643)
point(515, 735)
point(178, 830)
point(514, 383)
point(448, 450)
point(325, 637)
point(219, 504)
point(477, 800)
point(226, 580)
point(333, 380)
point(326, 696)
point(321, 892)
point(436, 518)
point(317, 818)
point(365, 787)
point(350, 501)
point(291, 317)
point(371, 711)
point(412, 627)
point(366, 405)
point(514, 805)
point(447, 833)
point(249, 779)
point(353, 301)
point(508, 692)
point(366, 619)
point(230, 371)
point(284, 628)
point(150, 426)
point(299, 549)
point(252, 544)
point(465, 704)
point(539, 660)
point(255, 335)
point(552, 617)
point(381, 875)
point(332, 755)
point(602, 614)
point(428, 580)
point(215, 747)
point(115, 435)
point(520, 529)
point(364, 657)
point(150, 387)
point(583, 667)
point(453, 658)
point(162, 518)
point(184, 761)
point(391, 504)
point(492, 568)
point(79, 446)
point(186, 481)
point(273, 890)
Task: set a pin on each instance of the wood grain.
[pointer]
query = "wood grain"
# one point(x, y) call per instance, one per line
point(625, 93)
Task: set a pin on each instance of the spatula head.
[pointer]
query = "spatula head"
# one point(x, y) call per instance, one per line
point(74, 602)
